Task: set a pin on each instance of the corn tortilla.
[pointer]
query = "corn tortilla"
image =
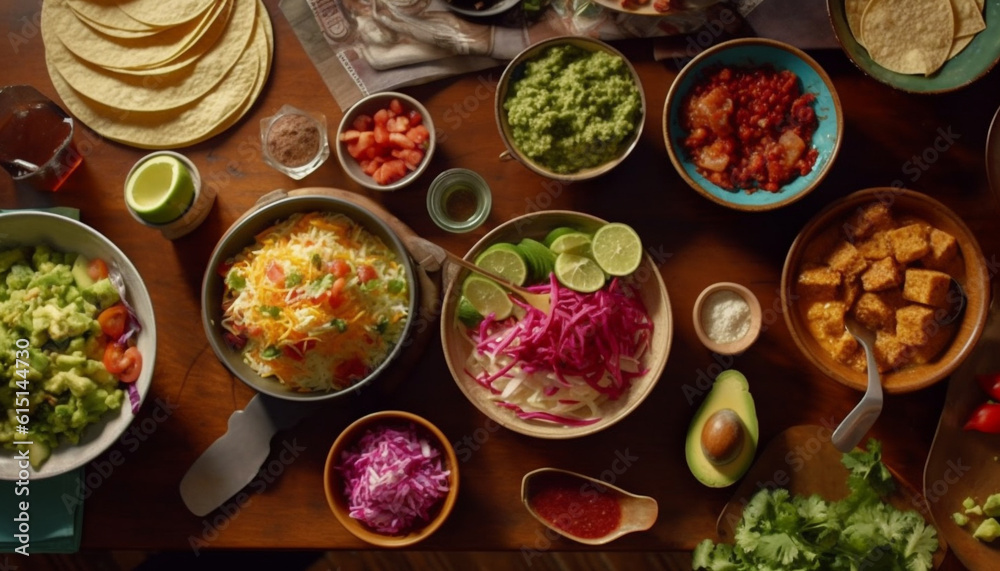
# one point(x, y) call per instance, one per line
point(165, 90)
point(909, 36)
point(854, 9)
point(105, 14)
point(110, 52)
point(165, 12)
point(968, 17)
point(197, 121)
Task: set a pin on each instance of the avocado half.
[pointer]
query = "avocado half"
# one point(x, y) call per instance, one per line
point(730, 391)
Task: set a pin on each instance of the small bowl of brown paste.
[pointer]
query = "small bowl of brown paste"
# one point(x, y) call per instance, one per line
point(294, 141)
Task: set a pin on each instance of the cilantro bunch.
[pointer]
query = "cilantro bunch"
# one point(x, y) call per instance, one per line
point(779, 531)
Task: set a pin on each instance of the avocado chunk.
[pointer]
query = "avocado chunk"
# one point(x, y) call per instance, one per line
point(722, 438)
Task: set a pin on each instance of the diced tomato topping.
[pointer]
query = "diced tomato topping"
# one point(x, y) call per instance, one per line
point(366, 273)
point(393, 144)
point(275, 274)
point(362, 122)
point(351, 369)
point(113, 321)
point(418, 134)
point(235, 342)
point(97, 269)
point(122, 361)
point(224, 267)
point(350, 135)
point(338, 268)
point(297, 350)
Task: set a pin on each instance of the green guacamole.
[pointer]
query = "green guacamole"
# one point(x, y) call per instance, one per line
point(573, 109)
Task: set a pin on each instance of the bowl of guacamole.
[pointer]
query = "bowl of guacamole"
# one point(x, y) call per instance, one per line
point(570, 108)
point(65, 391)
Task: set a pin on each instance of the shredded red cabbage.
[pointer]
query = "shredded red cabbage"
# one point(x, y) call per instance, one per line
point(597, 337)
point(393, 479)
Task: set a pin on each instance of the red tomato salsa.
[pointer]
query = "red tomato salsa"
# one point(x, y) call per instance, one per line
point(749, 128)
point(577, 507)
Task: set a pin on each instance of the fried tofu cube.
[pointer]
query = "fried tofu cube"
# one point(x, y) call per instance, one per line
point(845, 259)
point(826, 319)
point(870, 219)
point(890, 353)
point(819, 283)
point(875, 247)
point(910, 243)
point(929, 287)
point(944, 250)
point(844, 348)
point(875, 311)
point(915, 324)
point(882, 275)
point(851, 291)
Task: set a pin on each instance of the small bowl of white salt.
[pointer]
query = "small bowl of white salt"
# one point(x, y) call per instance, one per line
point(727, 318)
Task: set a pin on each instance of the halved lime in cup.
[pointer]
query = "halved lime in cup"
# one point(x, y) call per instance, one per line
point(160, 189)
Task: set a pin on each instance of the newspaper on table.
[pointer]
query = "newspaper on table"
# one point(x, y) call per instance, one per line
point(366, 46)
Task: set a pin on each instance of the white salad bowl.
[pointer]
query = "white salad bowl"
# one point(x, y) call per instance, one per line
point(458, 346)
point(29, 228)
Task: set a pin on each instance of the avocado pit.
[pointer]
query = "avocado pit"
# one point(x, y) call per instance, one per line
point(722, 436)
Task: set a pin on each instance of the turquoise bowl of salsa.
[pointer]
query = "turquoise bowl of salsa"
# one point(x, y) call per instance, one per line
point(822, 144)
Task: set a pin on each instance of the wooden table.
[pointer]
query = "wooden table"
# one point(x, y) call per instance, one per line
point(134, 503)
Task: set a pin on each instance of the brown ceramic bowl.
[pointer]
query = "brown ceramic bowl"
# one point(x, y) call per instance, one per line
point(732, 347)
point(333, 483)
point(818, 236)
point(458, 346)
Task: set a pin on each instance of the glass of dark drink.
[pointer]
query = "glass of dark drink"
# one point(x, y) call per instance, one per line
point(36, 138)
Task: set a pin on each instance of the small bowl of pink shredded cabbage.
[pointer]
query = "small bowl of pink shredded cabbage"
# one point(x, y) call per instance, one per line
point(391, 478)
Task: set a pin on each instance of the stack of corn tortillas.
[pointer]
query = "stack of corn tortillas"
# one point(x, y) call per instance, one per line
point(157, 73)
point(914, 36)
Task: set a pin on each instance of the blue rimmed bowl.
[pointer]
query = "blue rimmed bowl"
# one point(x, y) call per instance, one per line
point(752, 52)
point(972, 63)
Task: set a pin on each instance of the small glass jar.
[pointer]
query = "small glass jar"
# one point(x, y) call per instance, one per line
point(459, 200)
point(196, 212)
point(294, 141)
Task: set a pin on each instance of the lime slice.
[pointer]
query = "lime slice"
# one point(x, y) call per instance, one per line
point(617, 249)
point(579, 273)
point(555, 233)
point(487, 297)
point(571, 243)
point(504, 260)
point(541, 260)
point(467, 313)
point(160, 189)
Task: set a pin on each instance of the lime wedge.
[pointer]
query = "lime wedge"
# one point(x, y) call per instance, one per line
point(467, 313)
point(579, 273)
point(160, 189)
point(571, 243)
point(504, 260)
point(487, 297)
point(555, 233)
point(617, 248)
point(541, 260)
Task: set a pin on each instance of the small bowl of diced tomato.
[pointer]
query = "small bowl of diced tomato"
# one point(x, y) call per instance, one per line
point(385, 141)
point(753, 124)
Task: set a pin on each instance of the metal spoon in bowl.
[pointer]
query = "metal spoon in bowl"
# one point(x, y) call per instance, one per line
point(857, 423)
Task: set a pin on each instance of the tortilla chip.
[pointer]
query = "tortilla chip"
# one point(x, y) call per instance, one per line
point(854, 9)
point(968, 17)
point(909, 36)
point(958, 45)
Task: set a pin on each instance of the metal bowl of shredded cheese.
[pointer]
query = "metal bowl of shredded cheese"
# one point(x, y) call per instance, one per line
point(308, 297)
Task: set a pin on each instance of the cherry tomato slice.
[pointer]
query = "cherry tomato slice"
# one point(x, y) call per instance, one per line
point(986, 418)
point(339, 268)
point(990, 384)
point(97, 269)
point(366, 273)
point(123, 362)
point(113, 321)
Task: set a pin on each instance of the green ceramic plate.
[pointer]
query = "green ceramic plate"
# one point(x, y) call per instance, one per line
point(969, 65)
